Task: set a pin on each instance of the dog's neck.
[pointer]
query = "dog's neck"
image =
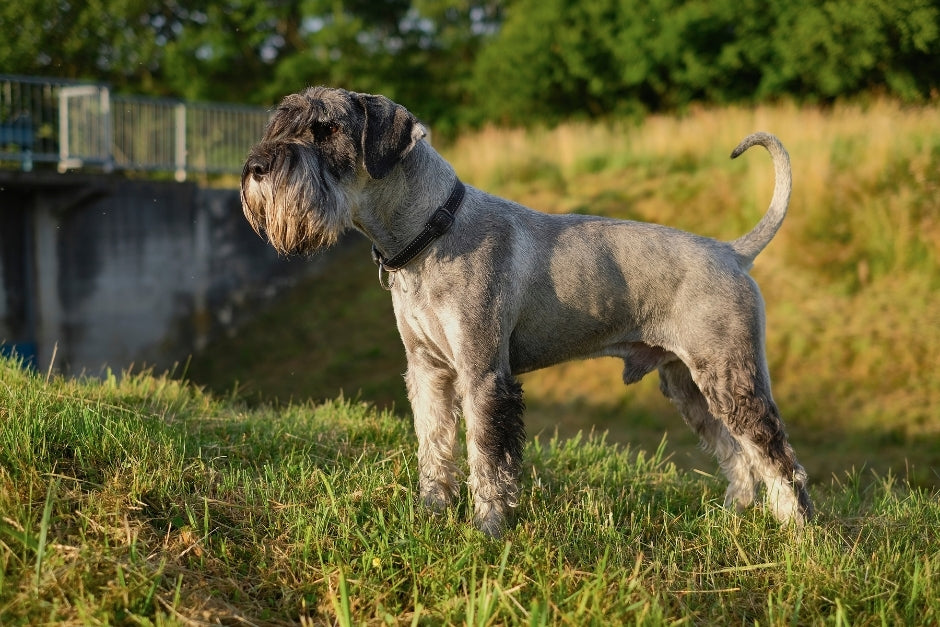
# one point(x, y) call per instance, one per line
point(394, 210)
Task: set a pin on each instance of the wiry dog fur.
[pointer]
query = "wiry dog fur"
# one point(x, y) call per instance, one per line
point(508, 290)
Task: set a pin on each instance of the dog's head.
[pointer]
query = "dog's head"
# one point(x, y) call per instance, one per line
point(319, 149)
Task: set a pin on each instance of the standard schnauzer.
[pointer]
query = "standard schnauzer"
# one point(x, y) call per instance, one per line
point(485, 289)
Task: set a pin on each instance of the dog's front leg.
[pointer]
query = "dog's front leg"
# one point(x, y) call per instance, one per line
point(432, 396)
point(493, 407)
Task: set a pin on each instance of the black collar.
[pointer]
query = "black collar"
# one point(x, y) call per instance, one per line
point(438, 224)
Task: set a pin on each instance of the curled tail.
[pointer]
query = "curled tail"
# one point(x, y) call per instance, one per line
point(750, 245)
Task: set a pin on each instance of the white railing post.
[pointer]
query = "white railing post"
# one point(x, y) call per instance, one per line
point(107, 129)
point(63, 133)
point(180, 142)
point(94, 132)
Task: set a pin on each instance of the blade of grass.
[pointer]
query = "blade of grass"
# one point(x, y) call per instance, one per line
point(44, 528)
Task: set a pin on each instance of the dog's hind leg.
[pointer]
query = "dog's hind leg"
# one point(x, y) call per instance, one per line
point(739, 393)
point(433, 402)
point(677, 385)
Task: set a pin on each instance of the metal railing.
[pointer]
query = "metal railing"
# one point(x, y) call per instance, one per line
point(82, 125)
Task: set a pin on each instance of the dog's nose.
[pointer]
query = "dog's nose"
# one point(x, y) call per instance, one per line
point(258, 167)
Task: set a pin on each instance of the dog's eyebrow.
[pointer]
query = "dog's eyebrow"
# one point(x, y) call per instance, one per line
point(292, 106)
point(294, 115)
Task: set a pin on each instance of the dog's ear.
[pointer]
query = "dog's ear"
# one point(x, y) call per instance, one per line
point(389, 132)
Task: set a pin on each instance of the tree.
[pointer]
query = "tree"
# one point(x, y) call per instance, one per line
point(847, 47)
point(420, 52)
point(554, 59)
point(115, 40)
point(455, 62)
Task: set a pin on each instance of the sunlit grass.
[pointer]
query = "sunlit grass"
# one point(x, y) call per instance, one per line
point(142, 500)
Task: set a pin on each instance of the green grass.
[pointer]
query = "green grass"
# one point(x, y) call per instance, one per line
point(143, 500)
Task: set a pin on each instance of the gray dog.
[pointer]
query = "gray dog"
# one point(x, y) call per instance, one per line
point(485, 289)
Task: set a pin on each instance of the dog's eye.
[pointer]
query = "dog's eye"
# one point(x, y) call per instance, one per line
point(323, 130)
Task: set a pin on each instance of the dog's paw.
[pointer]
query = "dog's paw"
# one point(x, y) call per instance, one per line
point(492, 518)
point(789, 502)
point(740, 495)
point(435, 499)
point(493, 525)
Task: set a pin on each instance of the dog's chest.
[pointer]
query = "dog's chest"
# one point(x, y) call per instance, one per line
point(423, 325)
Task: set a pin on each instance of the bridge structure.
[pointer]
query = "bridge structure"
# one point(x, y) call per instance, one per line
point(84, 126)
point(122, 239)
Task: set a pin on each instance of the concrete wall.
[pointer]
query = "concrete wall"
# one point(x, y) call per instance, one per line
point(108, 272)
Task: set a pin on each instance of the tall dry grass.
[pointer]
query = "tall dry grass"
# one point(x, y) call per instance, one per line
point(851, 281)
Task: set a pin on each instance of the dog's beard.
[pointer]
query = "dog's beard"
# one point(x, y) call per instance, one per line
point(298, 206)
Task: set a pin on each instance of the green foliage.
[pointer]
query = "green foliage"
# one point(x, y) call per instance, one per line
point(116, 40)
point(525, 73)
point(460, 62)
point(844, 47)
point(141, 500)
point(557, 59)
point(419, 52)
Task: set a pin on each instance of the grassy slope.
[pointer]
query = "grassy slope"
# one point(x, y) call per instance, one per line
point(334, 334)
point(142, 500)
point(852, 281)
